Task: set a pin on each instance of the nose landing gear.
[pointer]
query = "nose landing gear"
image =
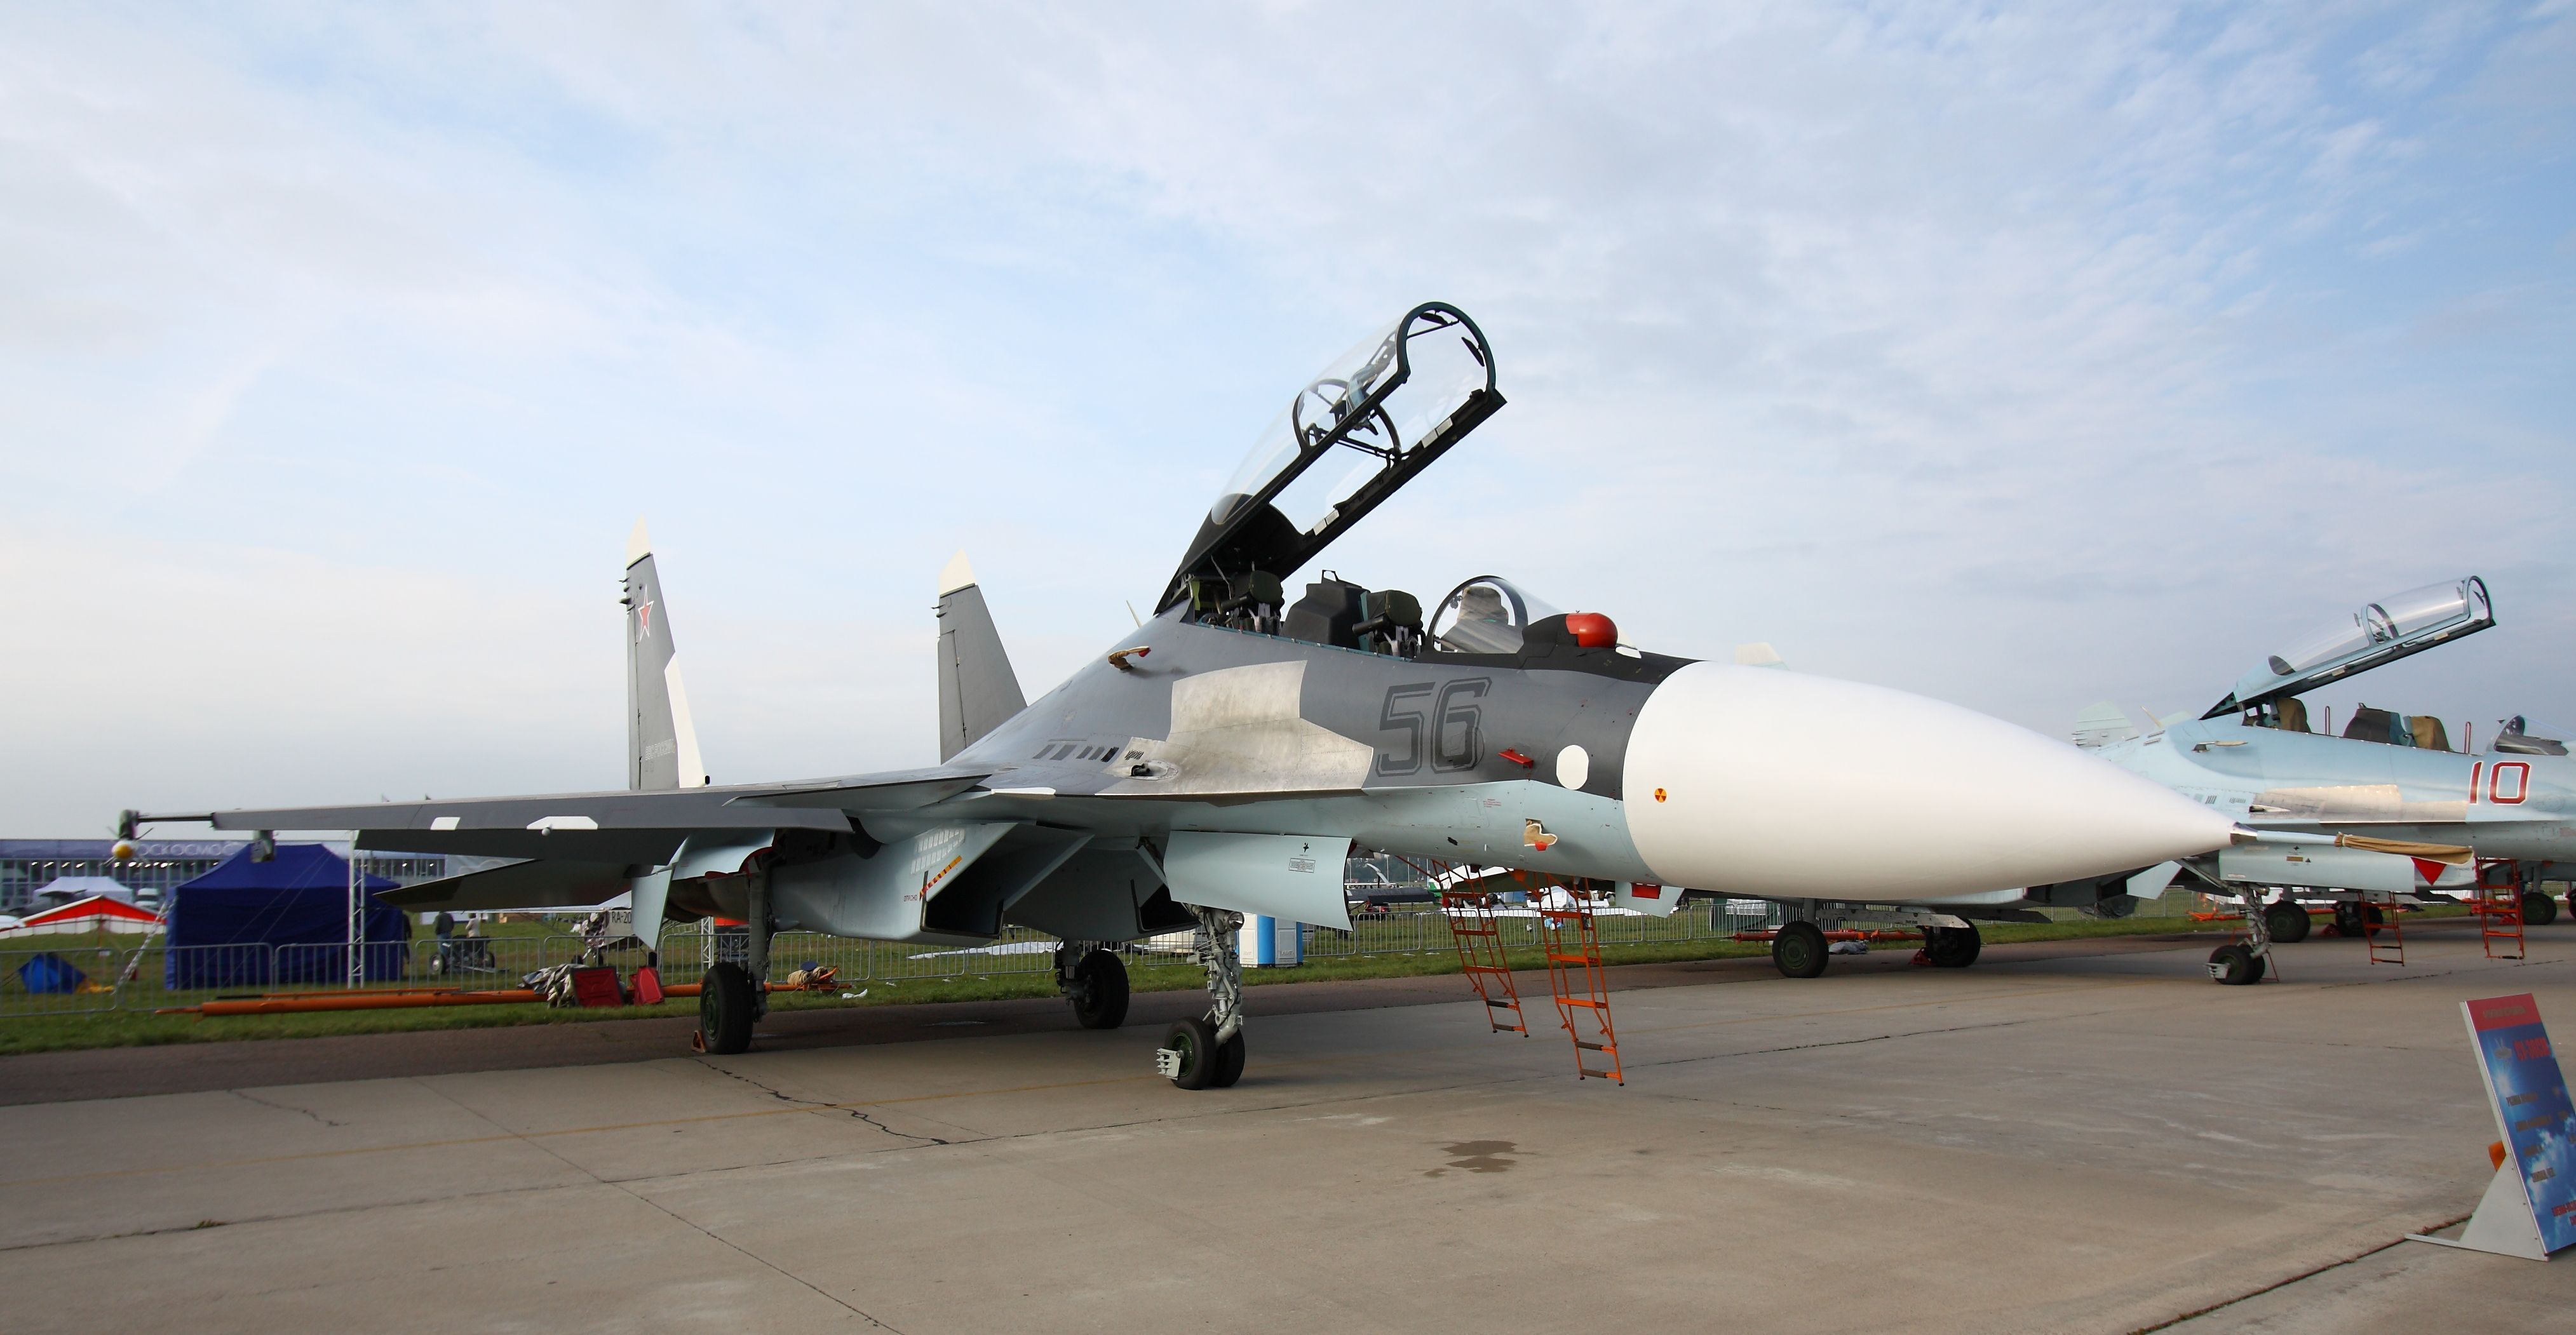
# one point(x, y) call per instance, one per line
point(2239, 963)
point(1208, 1053)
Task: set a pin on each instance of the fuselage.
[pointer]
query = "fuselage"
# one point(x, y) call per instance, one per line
point(2501, 805)
point(1600, 762)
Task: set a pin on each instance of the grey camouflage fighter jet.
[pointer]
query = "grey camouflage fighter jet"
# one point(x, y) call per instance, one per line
point(2387, 809)
point(1225, 757)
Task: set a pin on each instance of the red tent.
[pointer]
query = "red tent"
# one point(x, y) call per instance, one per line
point(98, 913)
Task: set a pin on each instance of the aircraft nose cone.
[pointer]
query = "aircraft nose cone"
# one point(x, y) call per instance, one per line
point(1760, 781)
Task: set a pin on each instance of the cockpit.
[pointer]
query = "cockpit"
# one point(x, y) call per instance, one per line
point(1353, 436)
point(1487, 615)
point(1372, 421)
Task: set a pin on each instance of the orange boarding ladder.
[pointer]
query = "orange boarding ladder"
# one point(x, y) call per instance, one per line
point(1574, 958)
point(2499, 910)
point(2379, 919)
point(1479, 941)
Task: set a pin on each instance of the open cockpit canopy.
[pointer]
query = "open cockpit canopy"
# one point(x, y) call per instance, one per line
point(1347, 441)
point(2374, 634)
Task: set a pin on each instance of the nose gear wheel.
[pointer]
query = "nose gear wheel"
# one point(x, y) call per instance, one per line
point(1208, 1053)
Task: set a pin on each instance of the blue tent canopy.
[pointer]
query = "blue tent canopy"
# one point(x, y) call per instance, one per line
point(224, 925)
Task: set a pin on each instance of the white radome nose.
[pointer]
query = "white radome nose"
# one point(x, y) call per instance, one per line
point(1759, 781)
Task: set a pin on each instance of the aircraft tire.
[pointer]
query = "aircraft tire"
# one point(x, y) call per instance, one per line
point(2288, 922)
point(726, 1008)
point(1229, 1062)
point(1195, 1040)
point(1099, 991)
point(2538, 910)
point(1798, 950)
point(2235, 965)
point(1952, 947)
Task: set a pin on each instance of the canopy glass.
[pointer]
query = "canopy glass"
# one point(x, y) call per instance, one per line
point(2369, 636)
point(1372, 419)
point(1486, 615)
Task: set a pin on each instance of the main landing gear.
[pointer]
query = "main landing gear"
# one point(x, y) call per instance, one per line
point(731, 997)
point(2539, 910)
point(1095, 981)
point(1208, 1053)
point(2286, 921)
point(1952, 947)
point(1798, 949)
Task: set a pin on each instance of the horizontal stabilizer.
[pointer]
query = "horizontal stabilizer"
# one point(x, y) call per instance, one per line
point(543, 884)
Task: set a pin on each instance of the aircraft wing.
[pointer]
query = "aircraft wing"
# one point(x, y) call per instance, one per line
point(613, 827)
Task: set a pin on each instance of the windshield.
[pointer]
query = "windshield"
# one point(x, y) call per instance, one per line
point(1361, 424)
point(2530, 737)
point(1486, 615)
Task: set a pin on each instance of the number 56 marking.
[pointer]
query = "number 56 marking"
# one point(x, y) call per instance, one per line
point(1450, 734)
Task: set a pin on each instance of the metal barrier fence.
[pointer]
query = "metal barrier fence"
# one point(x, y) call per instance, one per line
point(82, 975)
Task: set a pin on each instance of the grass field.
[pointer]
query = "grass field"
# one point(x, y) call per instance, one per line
point(46, 1033)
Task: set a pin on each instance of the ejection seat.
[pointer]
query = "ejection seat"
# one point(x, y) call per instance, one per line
point(1345, 615)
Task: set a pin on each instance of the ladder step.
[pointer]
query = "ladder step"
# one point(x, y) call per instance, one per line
point(1505, 1004)
point(1554, 958)
point(1583, 1001)
point(1596, 1047)
point(1612, 1076)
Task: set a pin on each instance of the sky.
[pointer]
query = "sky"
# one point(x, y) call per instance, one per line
point(2021, 356)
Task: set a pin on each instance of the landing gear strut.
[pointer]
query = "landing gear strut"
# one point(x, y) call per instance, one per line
point(731, 998)
point(1095, 981)
point(1208, 1053)
point(2241, 962)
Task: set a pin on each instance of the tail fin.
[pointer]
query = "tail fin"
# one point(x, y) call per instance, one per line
point(2099, 725)
point(977, 691)
point(661, 744)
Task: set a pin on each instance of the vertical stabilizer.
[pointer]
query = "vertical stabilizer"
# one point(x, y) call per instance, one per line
point(977, 689)
point(661, 744)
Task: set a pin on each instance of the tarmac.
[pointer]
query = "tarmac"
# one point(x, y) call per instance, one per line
point(2079, 1136)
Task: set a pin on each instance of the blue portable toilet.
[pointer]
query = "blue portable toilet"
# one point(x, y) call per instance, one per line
point(1271, 943)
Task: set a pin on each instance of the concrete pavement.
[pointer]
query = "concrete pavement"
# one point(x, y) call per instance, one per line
point(2050, 1141)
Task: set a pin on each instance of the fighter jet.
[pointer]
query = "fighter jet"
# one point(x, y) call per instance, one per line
point(1225, 757)
point(2388, 808)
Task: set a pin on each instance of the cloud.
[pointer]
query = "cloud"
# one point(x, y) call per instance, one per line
point(2011, 355)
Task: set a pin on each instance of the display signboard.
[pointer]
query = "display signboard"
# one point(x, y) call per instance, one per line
point(2530, 1207)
